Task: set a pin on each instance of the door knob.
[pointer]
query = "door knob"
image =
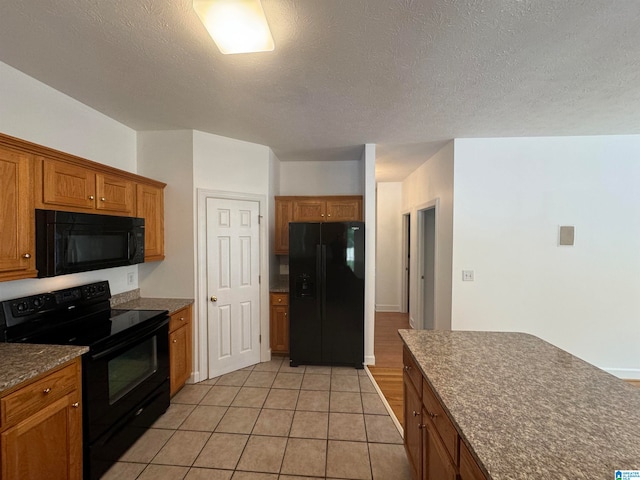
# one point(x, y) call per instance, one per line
point(214, 298)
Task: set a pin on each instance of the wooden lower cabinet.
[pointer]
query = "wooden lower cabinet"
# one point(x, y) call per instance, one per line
point(180, 349)
point(279, 322)
point(434, 448)
point(41, 432)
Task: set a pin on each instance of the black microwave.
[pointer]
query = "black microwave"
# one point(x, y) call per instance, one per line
point(68, 242)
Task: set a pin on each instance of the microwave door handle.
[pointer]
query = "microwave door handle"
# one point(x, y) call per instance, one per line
point(133, 245)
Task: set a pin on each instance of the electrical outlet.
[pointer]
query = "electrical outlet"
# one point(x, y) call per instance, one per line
point(467, 275)
point(131, 278)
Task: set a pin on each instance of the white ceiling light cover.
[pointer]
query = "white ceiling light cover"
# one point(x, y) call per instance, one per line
point(237, 26)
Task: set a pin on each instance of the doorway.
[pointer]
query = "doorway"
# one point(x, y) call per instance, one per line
point(426, 285)
point(232, 300)
point(406, 263)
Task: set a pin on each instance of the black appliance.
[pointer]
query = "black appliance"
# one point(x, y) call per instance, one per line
point(68, 242)
point(125, 374)
point(326, 293)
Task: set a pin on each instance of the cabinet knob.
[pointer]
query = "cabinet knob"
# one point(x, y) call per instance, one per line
point(46, 390)
point(415, 414)
point(407, 368)
point(102, 199)
point(75, 405)
point(182, 319)
point(91, 197)
point(329, 215)
point(285, 314)
point(26, 255)
point(279, 300)
point(175, 341)
point(421, 426)
point(214, 298)
point(433, 415)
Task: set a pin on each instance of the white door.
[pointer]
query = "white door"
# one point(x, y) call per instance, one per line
point(233, 267)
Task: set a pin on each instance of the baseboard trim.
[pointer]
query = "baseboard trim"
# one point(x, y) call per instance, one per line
point(370, 360)
point(388, 308)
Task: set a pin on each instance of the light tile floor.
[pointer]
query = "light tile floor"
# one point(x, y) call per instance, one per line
point(271, 422)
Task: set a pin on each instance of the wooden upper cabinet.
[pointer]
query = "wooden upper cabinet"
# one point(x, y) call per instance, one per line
point(17, 239)
point(312, 209)
point(115, 194)
point(309, 210)
point(150, 206)
point(284, 215)
point(67, 185)
point(344, 210)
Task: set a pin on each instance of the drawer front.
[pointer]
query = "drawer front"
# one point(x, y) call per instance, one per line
point(279, 299)
point(441, 421)
point(411, 369)
point(179, 319)
point(39, 394)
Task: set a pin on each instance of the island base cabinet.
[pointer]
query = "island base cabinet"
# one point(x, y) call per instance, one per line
point(413, 427)
point(436, 462)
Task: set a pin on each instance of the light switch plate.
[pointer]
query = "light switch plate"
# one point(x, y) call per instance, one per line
point(467, 275)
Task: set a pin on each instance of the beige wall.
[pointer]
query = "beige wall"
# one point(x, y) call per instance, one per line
point(389, 247)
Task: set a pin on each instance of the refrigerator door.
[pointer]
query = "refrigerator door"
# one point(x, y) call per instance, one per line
point(305, 321)
point(342, 295)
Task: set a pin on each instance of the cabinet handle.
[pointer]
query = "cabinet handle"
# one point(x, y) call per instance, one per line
point(415, 414)
point(46, 390)
point(26, 255)
point(102, 199)
point(91, 197)
point(75, 405)
point(433, 415)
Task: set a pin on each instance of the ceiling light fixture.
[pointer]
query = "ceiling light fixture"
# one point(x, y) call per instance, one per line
point(237, 26)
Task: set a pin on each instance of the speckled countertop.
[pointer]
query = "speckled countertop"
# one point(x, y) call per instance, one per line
point(171, 304)
point(280, 284)
point(22, 361)
point(529, 410)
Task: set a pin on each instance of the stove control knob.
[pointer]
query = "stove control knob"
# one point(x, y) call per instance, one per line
point(22, 306)
point(37, 302)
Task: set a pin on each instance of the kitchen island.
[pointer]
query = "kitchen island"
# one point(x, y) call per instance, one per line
point(521, 408)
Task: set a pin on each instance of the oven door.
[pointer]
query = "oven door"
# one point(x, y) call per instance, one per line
point(120, 377)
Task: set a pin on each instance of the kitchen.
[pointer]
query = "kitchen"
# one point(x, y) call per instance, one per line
point(40, 114)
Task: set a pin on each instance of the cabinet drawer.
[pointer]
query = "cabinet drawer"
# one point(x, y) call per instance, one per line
point(411, 369)
point(39, 394)
point(179, 319)
point(469, 469)
point(441, 421)
point(279, 299)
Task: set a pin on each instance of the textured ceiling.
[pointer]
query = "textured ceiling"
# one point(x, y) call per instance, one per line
point(407, 75)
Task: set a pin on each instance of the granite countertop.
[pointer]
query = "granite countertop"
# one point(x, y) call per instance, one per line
point(280, 285)
point(170, 304)
point(23, 361)
point(527, 409)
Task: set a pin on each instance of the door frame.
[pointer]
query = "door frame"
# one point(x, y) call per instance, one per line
point(419, 261)
point(200, 331)
point(406, 267)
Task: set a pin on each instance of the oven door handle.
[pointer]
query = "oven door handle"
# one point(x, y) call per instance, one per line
point(131, 341)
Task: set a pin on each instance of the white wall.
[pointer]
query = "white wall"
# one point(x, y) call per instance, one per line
point(389, 247)
point(432, 184)
point(322, 178)
point(35, 112)
point(167, 156)
point(511, 195)
point(368, 180)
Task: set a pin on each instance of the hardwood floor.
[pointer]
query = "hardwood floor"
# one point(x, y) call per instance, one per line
point(388, 351)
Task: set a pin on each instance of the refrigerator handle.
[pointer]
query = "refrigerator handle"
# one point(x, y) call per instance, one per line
point(324, 280)
point(319, 277)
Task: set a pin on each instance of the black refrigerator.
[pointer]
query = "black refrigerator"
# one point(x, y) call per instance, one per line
point(326, 293)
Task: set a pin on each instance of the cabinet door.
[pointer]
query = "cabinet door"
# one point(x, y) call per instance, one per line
point(180, 357)
point(284, 214)
point(279, 327)
point(46, 445)
point(437, 465)
point(150, 206)
point(469, 469)
point(17, 258)
point(413, 426)
point(344, 210)
point(311, 210)
point(114, 194)
point(68, 185)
